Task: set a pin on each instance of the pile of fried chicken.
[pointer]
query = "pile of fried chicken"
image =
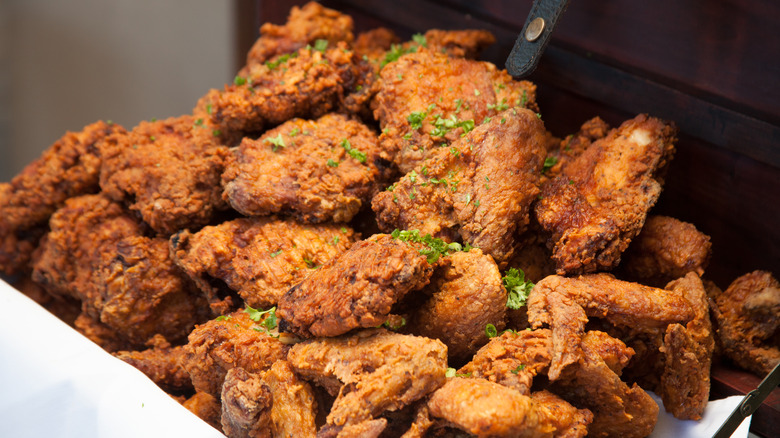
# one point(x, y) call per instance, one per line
point(344, 241)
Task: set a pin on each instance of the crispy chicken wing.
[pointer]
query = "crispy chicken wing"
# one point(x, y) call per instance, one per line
point(479, 189)
point(466, 294)
point(166, 170)
point(356, 289)
point(246, 405)
point(598, 203)
point(428, 99)
point(206, 407)
point(162, 364)
point(258, 258)
point(372, 371)
point(68, 168)
point(565, 151)
point(316, 171)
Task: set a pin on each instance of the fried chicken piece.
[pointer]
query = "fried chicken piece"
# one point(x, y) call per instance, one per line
point(467, 43)
point(428, 99)
point(66, 309)
point(316, 171)
point(68, 168)
point(598, 203)
point(166, 170)
point(294, 408)
point(228, 342)
point(304, 26)
point(102, 335)
point(308, 84)
point(206, 407)
point(513, 359)
point(567, 150)
point(666, 249)
point(372, 372)
point(466, 294)
point(566, 303)
point(144, 294)
point(356, 289)
point(71, 254)
point(259, 258)
point(479, 189)
point(487, 409)
point(374, 44)
point(748, 317)
point(618, 410)
point(162, 364)
point(246, 405)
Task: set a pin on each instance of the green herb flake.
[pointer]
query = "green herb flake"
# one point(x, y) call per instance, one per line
point(491, 331)
point(321, 45)
point(276, 253)
point(332, 163)
point(517, 288)
point(222, 318)
point(420, 39)
point(450, 373)
point(216, 133)
point(519, 368)
point(238, 80)
point(277, 142)
point(549, 162)
point(433, 247)
point(354, 153)
point(280, 60)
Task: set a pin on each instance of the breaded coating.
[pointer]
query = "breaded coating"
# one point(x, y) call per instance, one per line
point(748, 319)
point(356, 289)
point(513, 359)
point(666, 249)
point(372, 372)
point(246, 405)
point(467, 43)
point(68, 168)
point(294, 408)
point(466, 294)
point(143, 293)
point(598, 203)
point(566, 303)
point(101, 334)
point(162, 364)
point(71, 254)
point(206, 407)
point(487, 409)
point(166, 170)
point(479, 189)
point(305, 25)
point(316, 171)
point(308, 83)
point(428, 99)
point(65, 308)
point(258, 258)
point(374, 43)
point(532, 255)
point(567, 150)
point(618, 410)
point(227, 342)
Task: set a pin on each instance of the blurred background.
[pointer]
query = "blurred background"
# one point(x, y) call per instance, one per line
point(65, 64)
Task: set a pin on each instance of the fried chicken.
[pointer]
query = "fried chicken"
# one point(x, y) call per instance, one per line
point(372, 372)
point(230, 341)
point(305, 25)
point(567, 150)
point(356, 289)
point(162, 364)
point(466, 294)
point(82, 232)
point(167, 171)
point(428, 99)
point(246, 405)
point(748, 319)
point(598, 203)
point(206, 407)
point(257, 258)
point(102, 335)
point(316, 171)
point(308, 83)
point(666, 249)
point(68, 168)
point(467, 43)
point(374, 44)
point(479, 189)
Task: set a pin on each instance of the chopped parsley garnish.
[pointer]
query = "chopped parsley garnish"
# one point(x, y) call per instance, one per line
point(415, 118)
point(294, 132)
point(434, 247)
point(524, 99)
point(216, 133)
point(549, 162)
point(452, 372)
point(238, 80)
point(420, 39)
point(443, 126)
point(276, 253)
point(354, 153)
point(395, 323)
point(499, 106)
point(310, 263)
point(266, 318)
point(277, 142)
point(320, 45)
point(517, 288)
point(519, 368)
point(396, 50)
point(491, 331)
point(280, 60)
point(222, 318)
point(332, 163)
point(413, 176)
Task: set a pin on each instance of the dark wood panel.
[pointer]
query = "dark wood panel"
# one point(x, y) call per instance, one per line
point(727, 381)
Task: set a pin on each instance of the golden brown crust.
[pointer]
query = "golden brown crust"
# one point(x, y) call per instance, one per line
point(467, 43)
point(206, 407)
point(246, 405)
point(162, 365)
point(294, 408)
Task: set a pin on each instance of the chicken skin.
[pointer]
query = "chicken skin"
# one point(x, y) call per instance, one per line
point(316, 171)
point(748, 318)
point(599, 202)
point(479, 189)
point(372, 372)
point(167, 171)
point(466, 294)
point(162, 364)
point(356, 289)
point(68, 168)
point(427, 99)
point(257, 258)
point(666, 249)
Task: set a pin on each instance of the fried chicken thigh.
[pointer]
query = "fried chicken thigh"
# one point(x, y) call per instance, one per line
point(372, 372)
point(162, 364)
point(598, 203)
point(316, 171)
point(427, 99)
point(356, 289)
point(257, 258)
point(166, 170)
point(479, 189)
point(68, 168)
